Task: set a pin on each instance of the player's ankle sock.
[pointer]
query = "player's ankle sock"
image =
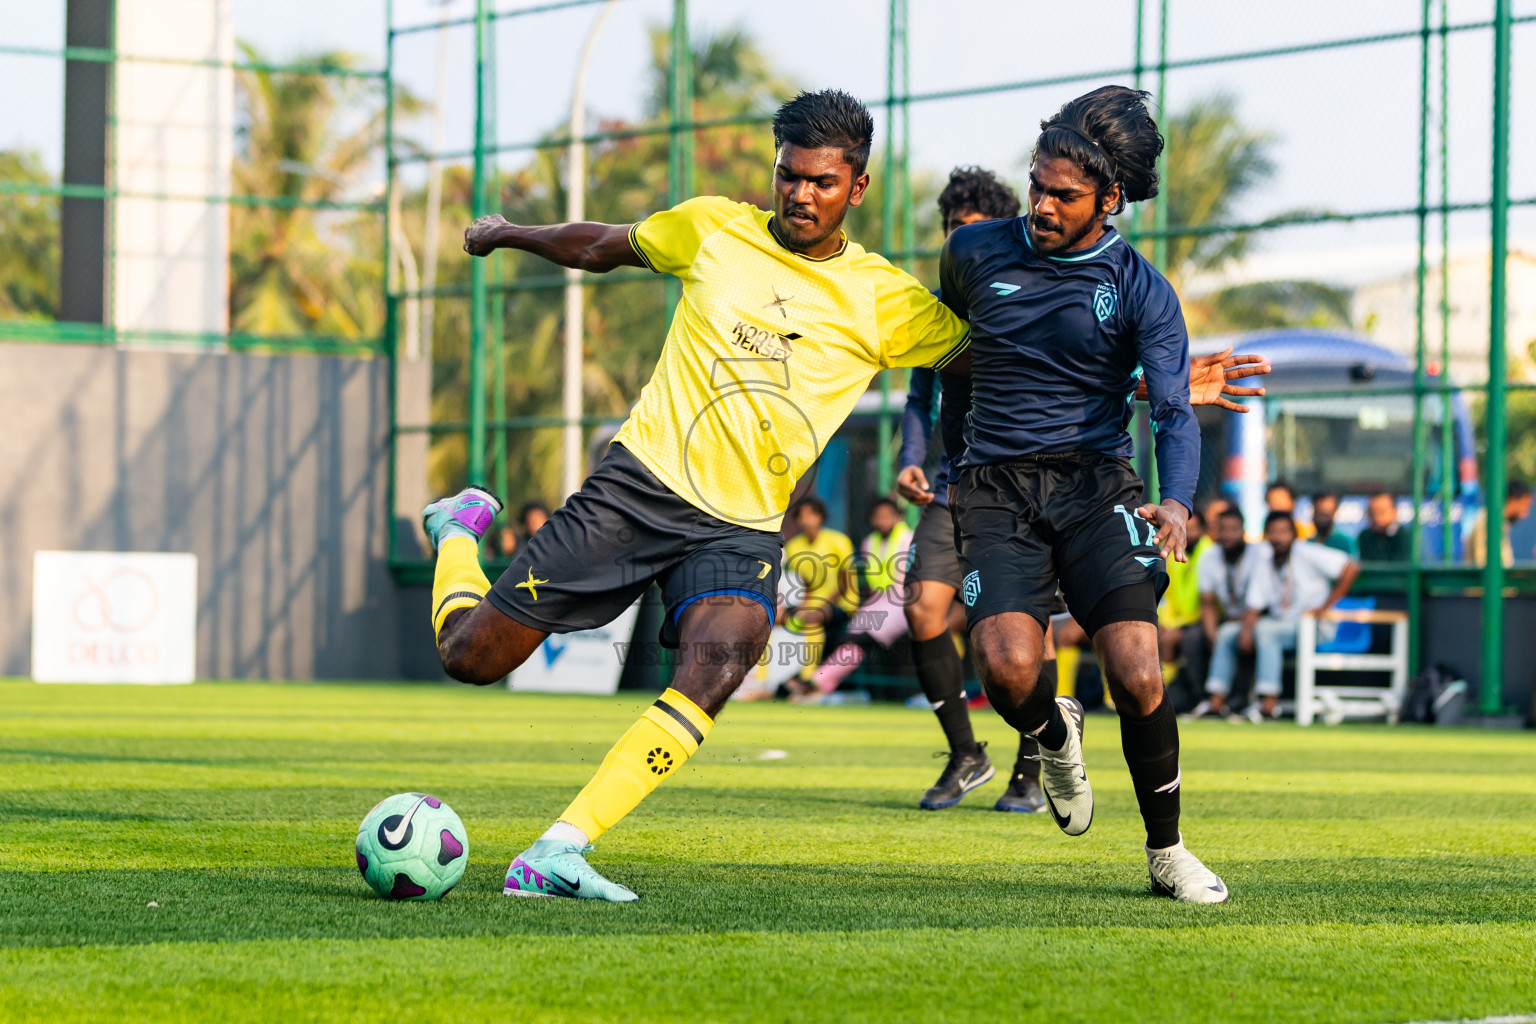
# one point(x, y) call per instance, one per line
point(1053, 734)
point(1151, 746)
point(1028, 764)
point(458, 581)
point(564, 831)
point(653, 748)
point(942, 678)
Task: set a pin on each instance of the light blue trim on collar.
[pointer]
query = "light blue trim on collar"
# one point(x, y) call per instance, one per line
point(1072, 259)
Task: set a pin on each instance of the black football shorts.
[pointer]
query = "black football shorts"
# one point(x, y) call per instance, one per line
point(933, 555)
point(622, 531)
point(1025, 525)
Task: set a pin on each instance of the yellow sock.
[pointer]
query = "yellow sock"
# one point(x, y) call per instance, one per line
point(458, 582)
point(653, 748)
point(1066, 670)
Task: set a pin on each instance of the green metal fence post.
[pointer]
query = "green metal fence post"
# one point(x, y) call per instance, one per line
point(1448, 466)
point(1493, 503)
point(497, 268)
point(475, 463)
point(679, 115)
point(895, 37)
point(391, 541)
point(1148, 453)
point(1420, 436)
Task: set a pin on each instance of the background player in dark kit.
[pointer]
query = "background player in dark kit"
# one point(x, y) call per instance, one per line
point(933, 575)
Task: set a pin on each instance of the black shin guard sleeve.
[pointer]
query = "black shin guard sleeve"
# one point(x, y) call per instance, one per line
point(1026, 765)
point(942, 678)
point(1151, 747)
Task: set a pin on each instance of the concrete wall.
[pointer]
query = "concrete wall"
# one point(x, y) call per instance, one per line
point(271, 469)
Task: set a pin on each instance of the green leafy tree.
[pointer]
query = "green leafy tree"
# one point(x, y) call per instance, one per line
point(306, 138)
point(1214, 163)
point(29, 241)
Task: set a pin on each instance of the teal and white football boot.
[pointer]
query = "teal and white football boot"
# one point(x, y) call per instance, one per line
point(466, 514)
point(557, 867)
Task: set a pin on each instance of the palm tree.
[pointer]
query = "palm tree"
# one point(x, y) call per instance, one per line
point(1213, 163)
point(292, 269)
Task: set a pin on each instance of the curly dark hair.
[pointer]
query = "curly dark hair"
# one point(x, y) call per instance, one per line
point(830, 118)
point(1111, 135)
point(974, 188)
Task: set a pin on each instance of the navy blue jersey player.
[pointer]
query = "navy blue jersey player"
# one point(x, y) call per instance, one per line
point(1066, 317)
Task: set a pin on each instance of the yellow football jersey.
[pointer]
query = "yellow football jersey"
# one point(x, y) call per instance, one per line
point(767, 354)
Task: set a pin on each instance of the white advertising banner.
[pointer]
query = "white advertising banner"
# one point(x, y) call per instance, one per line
point(589, 661)
point(111, 617)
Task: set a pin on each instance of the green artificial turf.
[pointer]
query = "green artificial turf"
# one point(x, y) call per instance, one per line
point(1378, 874)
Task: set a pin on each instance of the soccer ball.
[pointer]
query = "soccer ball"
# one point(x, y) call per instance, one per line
point(412, 847)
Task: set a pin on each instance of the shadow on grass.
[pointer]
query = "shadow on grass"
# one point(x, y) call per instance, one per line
point(110, 907)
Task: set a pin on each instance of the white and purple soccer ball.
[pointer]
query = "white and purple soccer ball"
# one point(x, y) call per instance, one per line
point(412, 846)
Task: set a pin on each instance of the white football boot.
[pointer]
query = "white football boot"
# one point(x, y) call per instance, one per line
point(1178, 874)
point(1068, 796)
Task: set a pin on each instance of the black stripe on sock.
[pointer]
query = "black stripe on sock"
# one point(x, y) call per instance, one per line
point(457, 593)
point(682, 719)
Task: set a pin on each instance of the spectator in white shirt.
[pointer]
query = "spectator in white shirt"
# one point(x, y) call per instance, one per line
point(1222, 575)
point(1297, 578)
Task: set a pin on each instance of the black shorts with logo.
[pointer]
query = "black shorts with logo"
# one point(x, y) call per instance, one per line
point(622, 531)
point(1024, 525)
point(933, 554)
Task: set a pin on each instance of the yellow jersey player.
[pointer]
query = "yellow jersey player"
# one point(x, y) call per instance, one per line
point(783, 322)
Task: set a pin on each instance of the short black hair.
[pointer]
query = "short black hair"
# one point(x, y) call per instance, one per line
point(1383, 494)
point(1279, 516)
point(1516, 489)
point(815, 504)
point(974, 188)
point(1324, 495)
point(1111, 135)
point(1232, 512)
point(883, 500)
point(531, 506)
point(830, 118)
point(1280, 485)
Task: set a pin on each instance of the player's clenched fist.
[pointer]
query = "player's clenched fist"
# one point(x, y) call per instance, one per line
point(480, 238)
point(912, 484)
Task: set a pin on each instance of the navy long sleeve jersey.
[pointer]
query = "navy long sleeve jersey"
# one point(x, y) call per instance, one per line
point(917, 422)
point(1057, 346)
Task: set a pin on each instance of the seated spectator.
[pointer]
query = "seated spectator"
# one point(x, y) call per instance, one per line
point(1296, 578)
point(1325, 507)
point(1222, 576)
point(1278, 497)
point(1517, 505)
point(530, 518)
point(1179, 609)
point(879, 619)
point(1384, 539)
point(820, 561)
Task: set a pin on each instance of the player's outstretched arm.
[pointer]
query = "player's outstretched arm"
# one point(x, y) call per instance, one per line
point(584, 246)
point(1211, 377)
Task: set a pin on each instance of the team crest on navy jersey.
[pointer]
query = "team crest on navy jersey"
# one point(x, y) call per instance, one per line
point(1104, 297)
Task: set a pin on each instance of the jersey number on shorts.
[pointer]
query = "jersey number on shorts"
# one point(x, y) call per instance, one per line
point(1131, 522)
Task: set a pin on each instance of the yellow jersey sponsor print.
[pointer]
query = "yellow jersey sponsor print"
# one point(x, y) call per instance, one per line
point(767, 354)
